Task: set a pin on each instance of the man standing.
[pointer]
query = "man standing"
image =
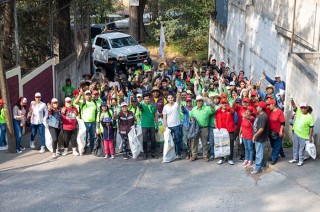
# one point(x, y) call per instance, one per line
point(171, 119)
point(149, 117)
point(260, 135)
point(202, 114)
point(277, 83)
point(88, 113)
point(68, 88)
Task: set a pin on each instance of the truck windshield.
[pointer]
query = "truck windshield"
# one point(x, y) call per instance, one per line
point(122, 42)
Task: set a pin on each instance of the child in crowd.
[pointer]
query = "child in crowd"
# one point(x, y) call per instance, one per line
point(108, 137)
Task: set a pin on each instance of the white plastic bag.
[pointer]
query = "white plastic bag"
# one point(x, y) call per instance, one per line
point(311, 149)
point(221, 143)
point(135, 141)
point(48, 137)
point(169, 152)
point(80, 137)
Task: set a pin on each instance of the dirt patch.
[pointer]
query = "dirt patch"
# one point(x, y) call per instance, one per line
point(256, 177)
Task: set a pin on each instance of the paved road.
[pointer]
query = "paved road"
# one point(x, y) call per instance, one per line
point(95, 184)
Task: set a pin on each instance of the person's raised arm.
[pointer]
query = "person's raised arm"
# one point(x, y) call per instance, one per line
point(76, 101)
point(293, 104)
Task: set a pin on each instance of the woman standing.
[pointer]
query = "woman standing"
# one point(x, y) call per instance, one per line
point(54, 124)
point(38, 114)
point(3, 128)
point(19, 120)
point(276, 129)
point(69, 125)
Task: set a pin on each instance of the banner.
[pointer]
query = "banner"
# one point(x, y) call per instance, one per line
point(162, 43)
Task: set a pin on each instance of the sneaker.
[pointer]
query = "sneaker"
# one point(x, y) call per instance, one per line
point(75, 153)
point(211, 157)
point(18, 151)
point(112, 156)
point(293, 161)
point(255, 172)
point(220, 162)
point(241, 158)
point(106, 156)
point(125, 157)
point(250, 163)
point(3, 148)
point(300, 163)
point(21, 148)
point(177, 157)
point(273, 162)
point(231, 162)
point(32, 146)
point(156, 157)
point(42, 150)
point(54, 156)
point(245, 163)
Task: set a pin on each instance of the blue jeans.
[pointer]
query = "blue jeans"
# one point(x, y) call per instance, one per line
point(90, 131)
point(248, 149)
point(259, 155)
point(276, 147)
point(17, 131)
point(211, 141)
point(177, 132)
point(3, 132)
point(34, 129)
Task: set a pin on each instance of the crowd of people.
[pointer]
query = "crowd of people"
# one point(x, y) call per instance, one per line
point(217, 96)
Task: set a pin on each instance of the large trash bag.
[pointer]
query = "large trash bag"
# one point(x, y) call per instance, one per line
point(80, 137)
point(169, 152)
point(135, 141)
point(311, 149)
point(194, 129)
point(221, 143)
point(48, 137)
point(98, 148)
point(159, 134)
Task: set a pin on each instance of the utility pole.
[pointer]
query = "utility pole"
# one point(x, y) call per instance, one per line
point(293, 23)
point(6, 105)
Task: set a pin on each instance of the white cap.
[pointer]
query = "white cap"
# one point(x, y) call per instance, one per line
point(124, 104)
point(87, 92)
point(37, 94)
point(303, 104)
point(139, 95)
point(145, 61)
point(174, 61)
point(232, 83)
point(67, 99)
point(277, 75)
point(54, 100)
point(199, 98)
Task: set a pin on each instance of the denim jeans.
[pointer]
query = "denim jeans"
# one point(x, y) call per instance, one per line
point(17, 131)
point(248, 149)
point(90, 131)
point(3, 132)
point(34, 130)
point(276, 147)
point(177, 132)
point(211, 141)
point(259, 155)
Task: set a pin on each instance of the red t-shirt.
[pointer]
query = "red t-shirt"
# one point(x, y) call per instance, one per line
point(275, 120)
point(225, 119)
point(69, 121)
point(247, 128)
point(241, 111)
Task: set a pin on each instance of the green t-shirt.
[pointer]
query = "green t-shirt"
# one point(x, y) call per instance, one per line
point(136, 111)
point(68, 90)
point(88, 111)
point(146, 67)
point(202, 115)
point(99, 102)
point(302, 124)
point(147, 115)
point(2, 118)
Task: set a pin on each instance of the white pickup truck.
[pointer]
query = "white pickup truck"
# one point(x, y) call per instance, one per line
point(120, 47)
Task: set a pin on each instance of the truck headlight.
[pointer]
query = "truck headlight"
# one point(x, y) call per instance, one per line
point(122, 58)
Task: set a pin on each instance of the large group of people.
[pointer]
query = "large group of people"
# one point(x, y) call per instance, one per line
point(217, 96)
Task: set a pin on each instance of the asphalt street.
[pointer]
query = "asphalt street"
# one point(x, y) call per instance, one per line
point(89, 183)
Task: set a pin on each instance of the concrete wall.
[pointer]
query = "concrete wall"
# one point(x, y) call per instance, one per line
point(73, 68)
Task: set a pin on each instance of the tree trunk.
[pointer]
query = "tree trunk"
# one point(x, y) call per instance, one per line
point(8, 36)
point(154, 8)
point(64, 31)
point(142, 5)
point(136, 27)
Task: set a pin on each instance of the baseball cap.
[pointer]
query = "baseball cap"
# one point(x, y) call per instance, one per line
point(238, 100)
point(1, 102)
point(139, 95)
point(37, 94)
point(189, 92)
point(107, 119)
point(199, 98)
point(23, 101)
point(123, 104)
point(75, 92)
point(223, 95)
point(253, 93)
point(188, 79)
point(104, 104)
point(188, 99)
point(232, 83)
point(223, 100)
point(68, 80)
point(250, 108)
point(87, 92)
point(95, 92)
point(303, 104)
point(277, 75)
point(262, 105)
point(67, 99)
point(145, 61)
point(54, 100)
point(271, 102)
point(246, 100)
point(133, 100)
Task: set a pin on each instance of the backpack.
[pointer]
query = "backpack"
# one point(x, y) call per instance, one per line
point(194, 129)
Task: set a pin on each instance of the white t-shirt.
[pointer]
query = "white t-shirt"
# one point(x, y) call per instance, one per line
point(173, 114)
